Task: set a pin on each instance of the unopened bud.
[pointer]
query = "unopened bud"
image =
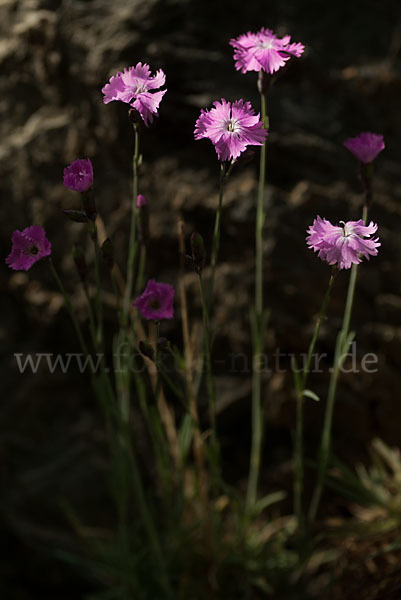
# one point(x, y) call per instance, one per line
point(141, 201)
point(78, 216)
point(198, 251)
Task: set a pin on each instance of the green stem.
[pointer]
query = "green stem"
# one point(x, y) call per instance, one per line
point(99, 304)
point(341, 347)
point(208, 359)
point(258, 330)
point(132, 248)
point(141, 269)
point(216, 236)
point(301, 385)
point(69, 308)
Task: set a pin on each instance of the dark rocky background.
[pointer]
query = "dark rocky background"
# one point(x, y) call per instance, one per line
point(55, 57)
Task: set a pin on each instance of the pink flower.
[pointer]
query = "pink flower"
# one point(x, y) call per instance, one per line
point(78, 176)
point(156, 302)
point(135, 86)
point(263, 50)
point(231, 128)
point(28, 247)
point(366, 146)
point(342, 245)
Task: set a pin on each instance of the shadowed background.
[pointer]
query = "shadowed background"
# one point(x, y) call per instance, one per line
point(55, 58)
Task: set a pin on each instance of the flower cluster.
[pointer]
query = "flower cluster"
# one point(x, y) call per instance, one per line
point(135, 86)
point(156, 302)
point(28, 246)
point(231, 128)
point(342, 245)
point(263, 50)
point(366, 146)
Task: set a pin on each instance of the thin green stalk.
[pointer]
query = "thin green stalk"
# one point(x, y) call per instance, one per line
point(216, 236)
point(208, 358)
point(141, 269)
point(99, 303)
point(341, 347)
point(132, 248)
point(300, 388)
point(258, 330)
point(69, 308)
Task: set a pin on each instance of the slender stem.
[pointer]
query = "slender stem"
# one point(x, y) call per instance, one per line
point(189, 372)
point(258, 330)
point(301, 385)
point(132, 249)
point(341, 347)
point(99, 304)
point(216, 236)
point(141, 269)
point(208, 359)
point(69, 308)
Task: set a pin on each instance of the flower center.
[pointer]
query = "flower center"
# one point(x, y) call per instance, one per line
point(33, 250)
point(347, 229)
point(266, 44)
point(154, 304)
point(141, 88)
point(232, 126)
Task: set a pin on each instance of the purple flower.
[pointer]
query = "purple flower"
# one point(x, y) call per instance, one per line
point(28, 247)
point(141, 201)
point(366, 146)
point(78, 176)
point(231, 128)
point(263, 51)
point(156, 302)
point(135, 86)
point(342, 245)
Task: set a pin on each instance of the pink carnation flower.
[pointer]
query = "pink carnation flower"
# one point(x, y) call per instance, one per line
point(156, 302)
point(263, 51)
point(136, 86)
point(28, 247)
point(78, 176)
point(366, 146)
point(342, 245)
point(231, 128)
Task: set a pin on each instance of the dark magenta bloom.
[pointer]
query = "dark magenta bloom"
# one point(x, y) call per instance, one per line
point(136, 86)
point(156, 302)
point(343, 245)
point(78, 176)
point(28, 247)
point(366, 146)
point(263, 50)
point(231, 128)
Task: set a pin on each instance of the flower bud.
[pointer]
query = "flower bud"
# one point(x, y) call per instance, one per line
point(198, 251)
point(76, 215)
